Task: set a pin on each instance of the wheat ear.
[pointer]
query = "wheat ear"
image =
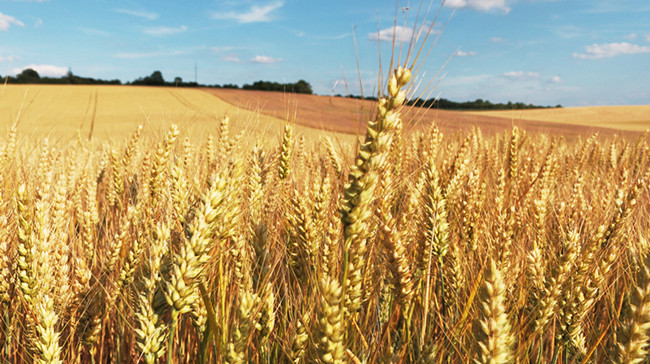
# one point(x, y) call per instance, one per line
point(495, 337)
point(633, 336)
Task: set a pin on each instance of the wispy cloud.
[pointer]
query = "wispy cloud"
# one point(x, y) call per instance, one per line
point(139, 13)
point(254, 14)
point(162, 31)
point(93, 31)
point(158, 53)
point(46, 70)
point(137, 55)
point(631, 36)
point(231, 58)
point(496, 40)
point(607, 50)
point(7, 20)
point(556, 80)
point(38, 23)
point(331, 37)
point(265, 59)
point(6, 58)
point(647, 37)
point(465, 54)
point(612, 6)
point(480, 5)
point(521, 75)
point(219, 49)
point(401, 34)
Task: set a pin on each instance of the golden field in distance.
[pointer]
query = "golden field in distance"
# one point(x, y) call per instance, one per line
point(64, 112)
point(635, 118)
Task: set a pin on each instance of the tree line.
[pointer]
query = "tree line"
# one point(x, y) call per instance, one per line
point(300, 87)
point(156, 79)
point(478, 104)
point(31, 76)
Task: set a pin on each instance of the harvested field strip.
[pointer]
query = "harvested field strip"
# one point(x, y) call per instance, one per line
point(345, 115)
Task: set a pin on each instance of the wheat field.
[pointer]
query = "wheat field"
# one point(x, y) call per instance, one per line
point(104, 113)
point(630, 117)
point(403, 248)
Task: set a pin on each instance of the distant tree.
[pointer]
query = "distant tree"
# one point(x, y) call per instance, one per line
point(478, 104)
point(28, 75)
point(178, 81)
point(302, 87)
point(29, 72)
point(157, 78)
point(69, 76)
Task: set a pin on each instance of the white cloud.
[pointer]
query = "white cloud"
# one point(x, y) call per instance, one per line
point(330, 37)
point(596, 51)
point(44, 70)
point(265, 59)
point(520, 75)
point(159, 53)
point(557, 79)
point(161, 31)
point(139, 13)
point(38, 23)
point(93, 31)
point(402, 34)
point(480, 5)
point(135, 55)
point(219, 49)
point(616, 6)
point(647, 37)
point(253, 15)
point(496, 39)
point(127, 55)
point(465, 54)
point(631, 36)
point(6, 58)
point(7, 20)
point(231, 58)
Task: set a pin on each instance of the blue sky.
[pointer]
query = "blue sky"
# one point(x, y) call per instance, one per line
point(569, 52)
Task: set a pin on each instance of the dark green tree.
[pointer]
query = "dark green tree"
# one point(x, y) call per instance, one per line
point(156, 78)
point(302, 87)
point(28, 75)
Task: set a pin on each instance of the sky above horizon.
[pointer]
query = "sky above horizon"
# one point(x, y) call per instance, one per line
point(544, 52)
